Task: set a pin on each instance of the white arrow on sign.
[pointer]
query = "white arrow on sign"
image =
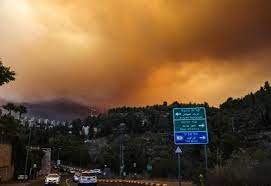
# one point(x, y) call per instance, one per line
point(178, 150)
point(201, 125)
point(202, 137)
point(178, 114)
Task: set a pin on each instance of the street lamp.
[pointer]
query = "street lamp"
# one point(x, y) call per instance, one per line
point(122, 130)
point(58, 161)
point(27, 152)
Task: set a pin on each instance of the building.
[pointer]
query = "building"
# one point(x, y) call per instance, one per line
point(53, 123)
point(40, 120)
point(57, 123)
point(31, 122)
point(63, 123)
point(46, 121)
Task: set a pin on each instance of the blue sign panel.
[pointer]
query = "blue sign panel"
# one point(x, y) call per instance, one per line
point(190, 126)
point(191, 138)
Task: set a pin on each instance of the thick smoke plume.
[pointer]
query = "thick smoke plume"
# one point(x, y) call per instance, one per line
point(135, 52)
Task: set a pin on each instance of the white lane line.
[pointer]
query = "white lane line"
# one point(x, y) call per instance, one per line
point(67, 182)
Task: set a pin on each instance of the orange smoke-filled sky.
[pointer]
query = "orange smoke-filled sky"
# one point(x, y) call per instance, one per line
point(136, 52)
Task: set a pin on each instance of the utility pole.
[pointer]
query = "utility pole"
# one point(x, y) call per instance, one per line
point(122, 128)
point(120, 156)
point(58, 153)
point(58, 160)
point(80, 158)
point(27, 153)
point(232, 124)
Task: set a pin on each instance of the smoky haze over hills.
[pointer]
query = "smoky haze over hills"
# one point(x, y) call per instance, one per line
point(58, 109)
point(61, 109)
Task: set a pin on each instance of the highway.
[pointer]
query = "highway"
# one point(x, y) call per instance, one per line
point(67, 181)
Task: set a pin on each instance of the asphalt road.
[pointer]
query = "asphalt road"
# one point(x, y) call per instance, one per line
point(65, 181)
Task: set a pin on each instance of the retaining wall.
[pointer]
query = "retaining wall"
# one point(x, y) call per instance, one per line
point(6, 167)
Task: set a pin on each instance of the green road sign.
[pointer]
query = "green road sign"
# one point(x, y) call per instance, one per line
point(193, 113)
point(190, 125)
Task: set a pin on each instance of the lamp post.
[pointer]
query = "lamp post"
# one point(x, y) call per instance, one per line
point(122, 130)
point(80, 158)
point(27, 152)
point(58, 160)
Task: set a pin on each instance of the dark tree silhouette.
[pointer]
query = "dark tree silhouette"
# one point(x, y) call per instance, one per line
point(9, 107)
point(21, 110)
point(6, 75)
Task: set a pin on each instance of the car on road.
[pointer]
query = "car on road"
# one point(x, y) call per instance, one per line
point(96, 171)
point(72, 171)
point(22, 177)
point(52, 179)
point(76, 177)
point(87, 178)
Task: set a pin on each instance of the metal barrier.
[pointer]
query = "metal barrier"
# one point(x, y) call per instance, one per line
point(106, 182)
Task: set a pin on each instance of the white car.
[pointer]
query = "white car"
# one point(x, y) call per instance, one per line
point(87, 178)
point(52, 179)
point(96, 171)
point(22, 177)
point(72, 171)
point(76, 177)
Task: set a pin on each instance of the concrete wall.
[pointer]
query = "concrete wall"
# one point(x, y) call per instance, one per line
point(6, 167)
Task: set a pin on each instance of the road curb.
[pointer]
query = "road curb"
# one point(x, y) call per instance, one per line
point(129, 182)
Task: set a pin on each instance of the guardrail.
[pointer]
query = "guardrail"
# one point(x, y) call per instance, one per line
point(128, 183)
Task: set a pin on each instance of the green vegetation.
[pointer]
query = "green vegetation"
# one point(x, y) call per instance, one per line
point(6, 75)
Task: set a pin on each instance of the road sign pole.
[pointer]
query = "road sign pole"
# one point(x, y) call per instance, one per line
point(206, 160)
point(190, 127)
point(178, 152)
point(179, 170)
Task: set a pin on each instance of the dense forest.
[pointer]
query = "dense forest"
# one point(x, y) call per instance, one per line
point(238, 150)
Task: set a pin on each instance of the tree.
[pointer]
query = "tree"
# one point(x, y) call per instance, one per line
point(6, 75)
point(266, 86)
point(21, 110)
point(9, 107)
point(76, 126)
point(9, 125)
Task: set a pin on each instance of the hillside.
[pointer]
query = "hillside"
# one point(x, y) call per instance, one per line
point(239, 138)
